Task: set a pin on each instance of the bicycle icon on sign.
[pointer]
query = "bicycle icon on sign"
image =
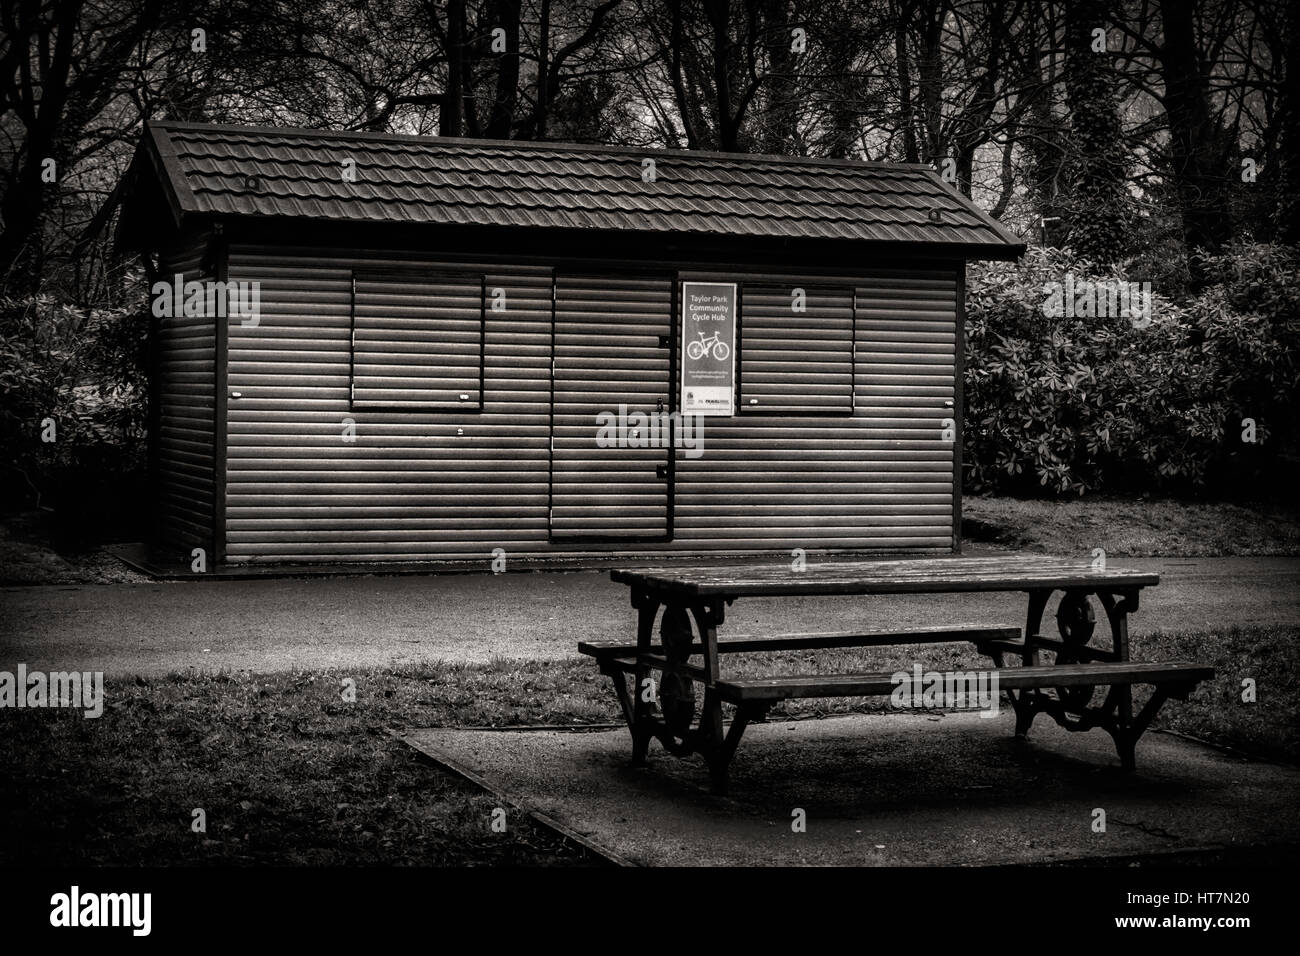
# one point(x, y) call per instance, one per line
point(697, 350)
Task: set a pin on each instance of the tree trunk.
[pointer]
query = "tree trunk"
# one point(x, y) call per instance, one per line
point(543, 68)
point(1043, 138)
point(1196, 145)
point(451, 116)
point(507, 90)
point(1286, 216)
point(686, 105)
point(930, 73)
point(1099, 216)
point(719, 19)
point(780, 129)
point(902, 16)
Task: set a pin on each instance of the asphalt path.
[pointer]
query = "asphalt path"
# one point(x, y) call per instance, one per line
point(269, 625)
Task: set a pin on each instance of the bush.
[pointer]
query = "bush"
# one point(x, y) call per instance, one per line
point(1077, 404)
point(84, 370)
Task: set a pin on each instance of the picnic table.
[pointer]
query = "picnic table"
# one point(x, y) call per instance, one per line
point(1063, 689)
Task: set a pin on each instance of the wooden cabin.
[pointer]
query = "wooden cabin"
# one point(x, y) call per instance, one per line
point(433, 348)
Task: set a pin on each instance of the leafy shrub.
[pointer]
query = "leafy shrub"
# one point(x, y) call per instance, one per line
point(85, 370)
point(1250, 320)
point(1070, 405)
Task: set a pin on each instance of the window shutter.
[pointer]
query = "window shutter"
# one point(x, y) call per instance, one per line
point(417, 341)
point(796, 362)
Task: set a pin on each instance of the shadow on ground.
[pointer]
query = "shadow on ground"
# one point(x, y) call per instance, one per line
point(894, 790)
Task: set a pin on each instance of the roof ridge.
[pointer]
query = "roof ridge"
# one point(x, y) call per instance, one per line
point(554, 146)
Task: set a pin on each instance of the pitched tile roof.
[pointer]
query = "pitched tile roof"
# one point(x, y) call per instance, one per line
point(300, 174)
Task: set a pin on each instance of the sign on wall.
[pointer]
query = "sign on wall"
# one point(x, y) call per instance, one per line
point(708, 348)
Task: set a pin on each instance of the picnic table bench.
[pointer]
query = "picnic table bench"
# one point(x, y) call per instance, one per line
point(1063, 688)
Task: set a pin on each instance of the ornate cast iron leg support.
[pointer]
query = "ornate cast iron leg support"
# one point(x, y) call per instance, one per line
point(1025, 703)
point(676, 685)
point(1126, 735)
point(708, 618)
point(620, 690)
point(719, 755)
point(647, 608)
point(712, 743)
point(711, 738)
point(1117, 613)
point(1075, 623)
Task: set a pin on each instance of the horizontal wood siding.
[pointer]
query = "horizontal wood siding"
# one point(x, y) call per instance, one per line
point(185, 390)
point(422, 484)
point(880, 479)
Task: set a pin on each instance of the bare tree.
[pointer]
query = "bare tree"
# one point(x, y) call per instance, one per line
point(61, 62)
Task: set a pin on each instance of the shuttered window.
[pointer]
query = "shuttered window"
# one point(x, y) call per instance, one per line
point(417, 341)
point(796, 350)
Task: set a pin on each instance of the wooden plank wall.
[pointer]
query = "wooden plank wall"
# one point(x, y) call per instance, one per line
point(878, 480)
point(185, 386)
point(457, 484)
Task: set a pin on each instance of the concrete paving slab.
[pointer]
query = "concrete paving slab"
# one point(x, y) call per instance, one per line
point(892, 790)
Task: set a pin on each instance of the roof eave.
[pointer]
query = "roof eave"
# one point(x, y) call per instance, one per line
point(166, 167)
point(1008, 251)
point(1010, 237)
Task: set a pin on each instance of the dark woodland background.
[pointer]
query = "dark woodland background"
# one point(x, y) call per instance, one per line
point(1171, 156)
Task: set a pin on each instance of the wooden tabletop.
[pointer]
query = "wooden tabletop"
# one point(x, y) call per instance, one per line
point(921, 575)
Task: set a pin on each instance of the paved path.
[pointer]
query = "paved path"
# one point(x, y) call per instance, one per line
point(268, 625)
point(895, 790)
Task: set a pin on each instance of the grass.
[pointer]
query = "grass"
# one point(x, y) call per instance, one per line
point(289, 773)
point(285, 770)
point(1269, 727)
point(1134, 527)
